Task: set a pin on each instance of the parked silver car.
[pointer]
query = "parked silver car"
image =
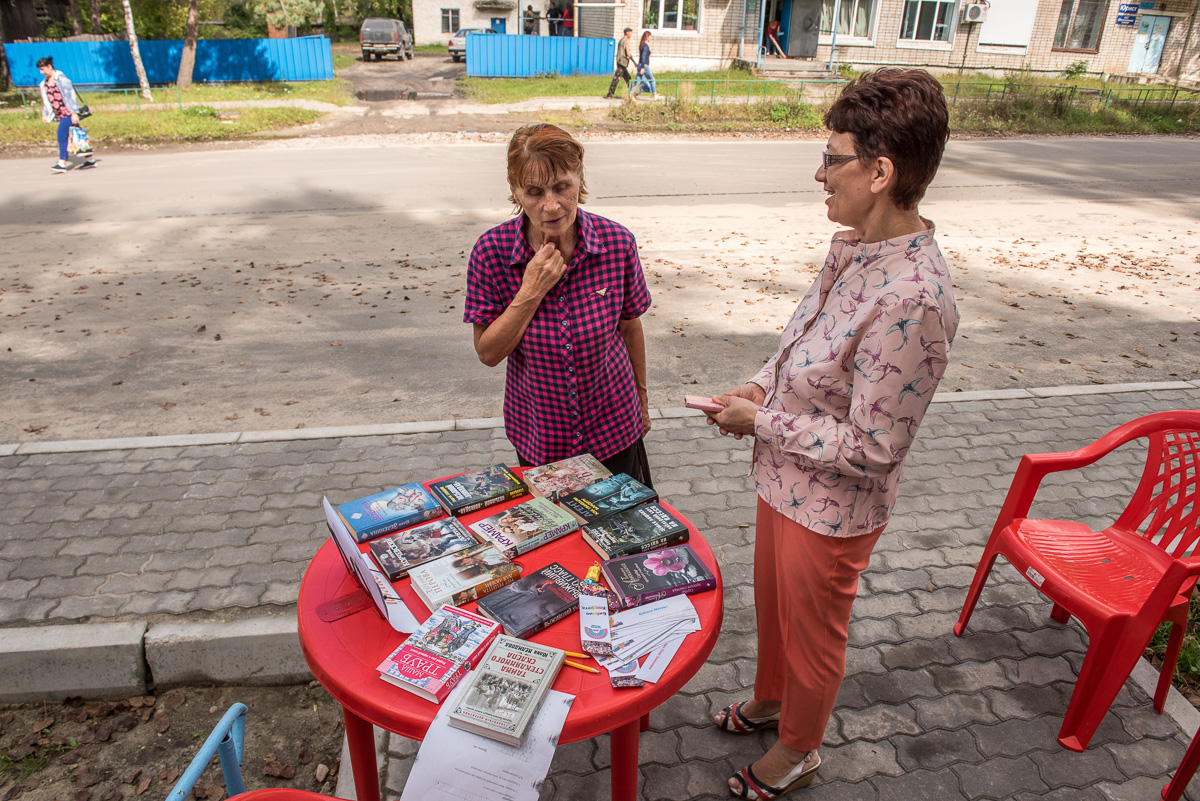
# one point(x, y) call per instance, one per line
point(458, 42)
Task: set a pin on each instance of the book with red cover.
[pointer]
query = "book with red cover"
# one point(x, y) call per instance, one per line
point(437, 655)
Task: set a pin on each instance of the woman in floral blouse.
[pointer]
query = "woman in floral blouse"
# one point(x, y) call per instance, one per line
point(834, 412)
point(60, 105)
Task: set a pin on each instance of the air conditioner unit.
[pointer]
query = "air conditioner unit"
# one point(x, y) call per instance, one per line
point(974, 12)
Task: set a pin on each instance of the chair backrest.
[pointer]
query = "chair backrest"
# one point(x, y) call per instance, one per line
point(1165, 508)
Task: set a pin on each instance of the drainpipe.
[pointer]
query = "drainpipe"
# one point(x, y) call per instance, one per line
point(742, 37)
point(837, 7)
point(762, 21)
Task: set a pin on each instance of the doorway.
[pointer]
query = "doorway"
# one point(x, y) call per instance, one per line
point(1148, 45)
point(498, 24)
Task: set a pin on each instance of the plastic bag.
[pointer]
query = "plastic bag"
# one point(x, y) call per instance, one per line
point(77, 141)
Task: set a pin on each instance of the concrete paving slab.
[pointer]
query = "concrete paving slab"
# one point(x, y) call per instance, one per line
point(127, 443)
point(1108, 389)
point(981, 395)
point(478, 423)
point(255, 651)
point(94, 660)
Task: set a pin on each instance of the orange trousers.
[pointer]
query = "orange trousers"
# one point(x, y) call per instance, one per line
point(804, 586)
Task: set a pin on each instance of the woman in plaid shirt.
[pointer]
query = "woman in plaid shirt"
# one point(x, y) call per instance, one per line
point(834, 412)
point(558, 292)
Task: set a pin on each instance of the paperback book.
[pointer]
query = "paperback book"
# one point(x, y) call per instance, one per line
point(506, 689)
point(606, 498)
point(534, 602)
point(437, 655)
point(645, 528)
point(565, 476)
point(525, 526)
point(388, 511)
point(462, 577)
point(645, 577)
point(471, 492)
point(398, 553)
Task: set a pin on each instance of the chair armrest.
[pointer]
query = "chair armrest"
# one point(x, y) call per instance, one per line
point(227, 739)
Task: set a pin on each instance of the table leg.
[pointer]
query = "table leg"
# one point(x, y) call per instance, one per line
point(360, 736)
point(623, 754)
point(644, 723)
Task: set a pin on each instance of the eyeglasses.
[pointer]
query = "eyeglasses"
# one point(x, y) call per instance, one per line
point(830, 159)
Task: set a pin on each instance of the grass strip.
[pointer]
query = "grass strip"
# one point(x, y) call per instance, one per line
point(193, 124)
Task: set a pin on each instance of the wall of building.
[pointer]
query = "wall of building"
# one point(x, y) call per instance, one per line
point(427, 19)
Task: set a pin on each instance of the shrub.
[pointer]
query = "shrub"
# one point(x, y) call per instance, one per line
point(1076, 70)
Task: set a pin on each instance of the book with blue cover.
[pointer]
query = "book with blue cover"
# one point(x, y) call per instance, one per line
point(388, 511)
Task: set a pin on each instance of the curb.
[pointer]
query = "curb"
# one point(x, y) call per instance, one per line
point(481, 423)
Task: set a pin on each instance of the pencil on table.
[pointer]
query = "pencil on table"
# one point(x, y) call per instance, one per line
point(577, 655)
point(578, 666)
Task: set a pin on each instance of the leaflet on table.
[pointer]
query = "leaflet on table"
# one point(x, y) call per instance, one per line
point(594, 624)
point(367, 575)
point(658, 660)
point(640, 630)
point(491, 770)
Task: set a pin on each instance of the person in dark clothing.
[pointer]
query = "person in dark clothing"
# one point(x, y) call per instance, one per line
point(645, 77)
point(624, 60)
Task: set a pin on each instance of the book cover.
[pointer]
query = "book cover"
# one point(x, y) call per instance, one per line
point(534, 602)
point(398, 553)
point(462, 577)
point(645, 577)
point(565, 476)
point(388, 511)
point(471, 492)
point(638, 530)
point(607, 497)
point(525, 526)
point(437, 655)
point(507, 688)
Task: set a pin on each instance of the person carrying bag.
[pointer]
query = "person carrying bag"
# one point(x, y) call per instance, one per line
point(61, 104)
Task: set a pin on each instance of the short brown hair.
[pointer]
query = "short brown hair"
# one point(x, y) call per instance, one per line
point(900, 114)
point(541, 152)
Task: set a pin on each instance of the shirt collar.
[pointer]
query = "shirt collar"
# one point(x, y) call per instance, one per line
point(589, 241)
point(900, 244)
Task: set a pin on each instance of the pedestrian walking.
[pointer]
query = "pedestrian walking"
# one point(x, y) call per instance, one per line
point(624, 59)
point(834, 412)
point(645, 77)
point(531, 21)
point(60, 104)
point(558, 293)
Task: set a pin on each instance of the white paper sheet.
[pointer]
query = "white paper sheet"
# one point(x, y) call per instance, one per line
point(398, 613)
point(457, 765)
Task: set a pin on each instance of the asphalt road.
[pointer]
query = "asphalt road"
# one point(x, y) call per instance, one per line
point(319, 282)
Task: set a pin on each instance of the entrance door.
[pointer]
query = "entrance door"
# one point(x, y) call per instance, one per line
point(1148, 46)
point(498, 24)
point(803, 28)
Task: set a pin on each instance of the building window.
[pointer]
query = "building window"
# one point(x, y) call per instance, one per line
point(449, 20)
point(928, 20)
point(853, 17)
point(671, 15)
point(1079, 24)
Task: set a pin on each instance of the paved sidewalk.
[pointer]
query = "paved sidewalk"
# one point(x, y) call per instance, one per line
point(132, 532)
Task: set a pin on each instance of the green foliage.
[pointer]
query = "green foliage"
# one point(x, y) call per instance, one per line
point(199, 112)
point(241, 23)
point(282, 13)
point(847, 71)
point(157, 126)
point(1075, 70)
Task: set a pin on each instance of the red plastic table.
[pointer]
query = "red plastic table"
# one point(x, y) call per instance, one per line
point(343, 656)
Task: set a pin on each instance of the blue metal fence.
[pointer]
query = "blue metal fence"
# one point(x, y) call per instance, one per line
point(217, 61)
point(519, 56)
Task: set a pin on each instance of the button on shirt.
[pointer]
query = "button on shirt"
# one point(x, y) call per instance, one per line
point(569, 385)
point(856, 368)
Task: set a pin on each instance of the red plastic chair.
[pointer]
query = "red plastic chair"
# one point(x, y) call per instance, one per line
point(1122, 582)
point(1184, 773)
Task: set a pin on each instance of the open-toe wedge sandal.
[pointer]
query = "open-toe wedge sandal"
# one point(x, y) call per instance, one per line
point(750, 787)
point(738, 722)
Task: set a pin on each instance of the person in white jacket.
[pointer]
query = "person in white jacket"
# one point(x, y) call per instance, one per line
point(61, 105)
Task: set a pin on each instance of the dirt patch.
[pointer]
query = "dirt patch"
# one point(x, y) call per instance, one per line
point(138, 747)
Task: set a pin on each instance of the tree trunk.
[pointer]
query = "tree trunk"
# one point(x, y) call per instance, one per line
point(76, 22)
point(4, 82)
point(95, 17)
point(135, 52)
point(188, 59)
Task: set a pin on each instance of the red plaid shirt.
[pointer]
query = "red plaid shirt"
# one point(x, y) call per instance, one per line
point(569, 387)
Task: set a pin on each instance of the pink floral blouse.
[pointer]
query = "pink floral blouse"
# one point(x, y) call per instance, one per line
point(856, 368)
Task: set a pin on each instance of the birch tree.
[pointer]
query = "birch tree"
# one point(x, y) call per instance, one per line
point(187, 61)
point(143, 81)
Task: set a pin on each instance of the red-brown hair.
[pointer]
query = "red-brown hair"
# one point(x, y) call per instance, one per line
point(540, 153)
point(900, 114)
